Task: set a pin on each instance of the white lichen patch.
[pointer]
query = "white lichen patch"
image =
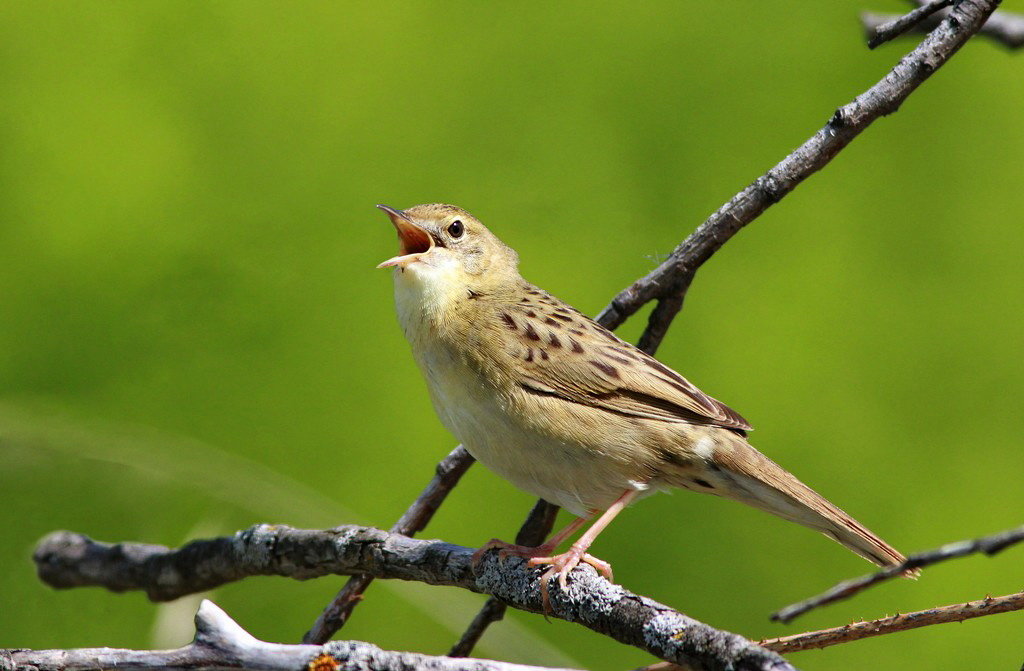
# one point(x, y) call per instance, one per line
point(344, 536)
point(665, 631)
point(590, 594)
point(496, 578)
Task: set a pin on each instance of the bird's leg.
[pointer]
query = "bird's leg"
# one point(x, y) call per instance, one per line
point(527, 552)
point(563, 564)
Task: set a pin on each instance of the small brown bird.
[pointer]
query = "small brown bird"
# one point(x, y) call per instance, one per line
point(564, 409)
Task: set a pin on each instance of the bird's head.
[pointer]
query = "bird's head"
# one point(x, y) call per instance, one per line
point(444, 244)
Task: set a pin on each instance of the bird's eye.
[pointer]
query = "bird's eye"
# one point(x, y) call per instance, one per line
point(456, 229)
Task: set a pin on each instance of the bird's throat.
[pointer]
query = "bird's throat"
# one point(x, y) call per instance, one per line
point(427, 298)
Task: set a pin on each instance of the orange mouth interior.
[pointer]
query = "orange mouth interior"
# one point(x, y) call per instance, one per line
point(412, 239)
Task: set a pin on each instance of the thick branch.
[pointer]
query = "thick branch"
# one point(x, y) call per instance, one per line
point(888, 625)
point(1005, 28)
point(674, 275)
point(988, 545)
point(446, 476)
point(221, 644)
point(66, 559)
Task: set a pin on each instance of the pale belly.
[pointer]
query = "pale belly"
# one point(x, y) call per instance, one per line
point(575, 477)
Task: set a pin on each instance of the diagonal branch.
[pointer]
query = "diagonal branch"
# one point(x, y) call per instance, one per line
point(66, 559)
point(989, 545)
point(674, 275)
point(220, 643)
point(446, 475)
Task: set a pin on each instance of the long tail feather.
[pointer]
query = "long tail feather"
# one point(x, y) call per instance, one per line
point(754, 479)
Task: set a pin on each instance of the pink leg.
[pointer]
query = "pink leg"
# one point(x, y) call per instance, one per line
point(563, 564)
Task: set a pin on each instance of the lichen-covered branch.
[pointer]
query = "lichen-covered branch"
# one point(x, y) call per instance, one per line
point(988, 545)
point(671, 279)
point(66, 559)
point(447, 474)
point(220, 643)
point(959, 612)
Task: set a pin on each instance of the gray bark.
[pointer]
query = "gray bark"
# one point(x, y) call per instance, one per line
point(66, 559)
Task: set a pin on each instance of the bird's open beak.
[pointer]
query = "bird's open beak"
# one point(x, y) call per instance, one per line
point(413, 241)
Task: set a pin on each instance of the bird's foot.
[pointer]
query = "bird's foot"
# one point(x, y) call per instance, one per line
point(562, 565)
point(506, 550)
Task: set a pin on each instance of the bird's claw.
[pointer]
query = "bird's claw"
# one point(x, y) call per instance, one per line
point(562, 565)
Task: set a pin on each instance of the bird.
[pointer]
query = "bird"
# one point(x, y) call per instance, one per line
point(563, 408)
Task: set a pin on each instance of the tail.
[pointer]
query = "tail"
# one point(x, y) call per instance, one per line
point(756, 480)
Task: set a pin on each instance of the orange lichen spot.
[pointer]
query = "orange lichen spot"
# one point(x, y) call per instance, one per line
point(323, 662)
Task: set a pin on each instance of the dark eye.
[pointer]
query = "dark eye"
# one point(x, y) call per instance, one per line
point(456, 229)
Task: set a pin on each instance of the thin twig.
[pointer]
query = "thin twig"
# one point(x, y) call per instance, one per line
point(673, 276)
point(898, 26)
point(988, 545)
point(446, 475)
point(535, 529)
point(66, 559)
point(1004, 28)
point(888, 625)
point(220, 643)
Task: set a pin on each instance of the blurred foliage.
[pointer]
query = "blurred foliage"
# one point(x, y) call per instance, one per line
point(193, 337)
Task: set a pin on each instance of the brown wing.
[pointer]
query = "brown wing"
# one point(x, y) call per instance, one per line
point(566, 354)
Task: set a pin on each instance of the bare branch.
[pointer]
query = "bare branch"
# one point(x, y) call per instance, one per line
point(221, 644)
point(66, 559)
point(446, 475)
point(891, 29)
point(888, 625)
point(1005, 28)
point(535, 529)
point(988, 545)
point(674, 275)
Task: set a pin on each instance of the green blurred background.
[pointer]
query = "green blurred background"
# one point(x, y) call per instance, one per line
point(193, 337)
